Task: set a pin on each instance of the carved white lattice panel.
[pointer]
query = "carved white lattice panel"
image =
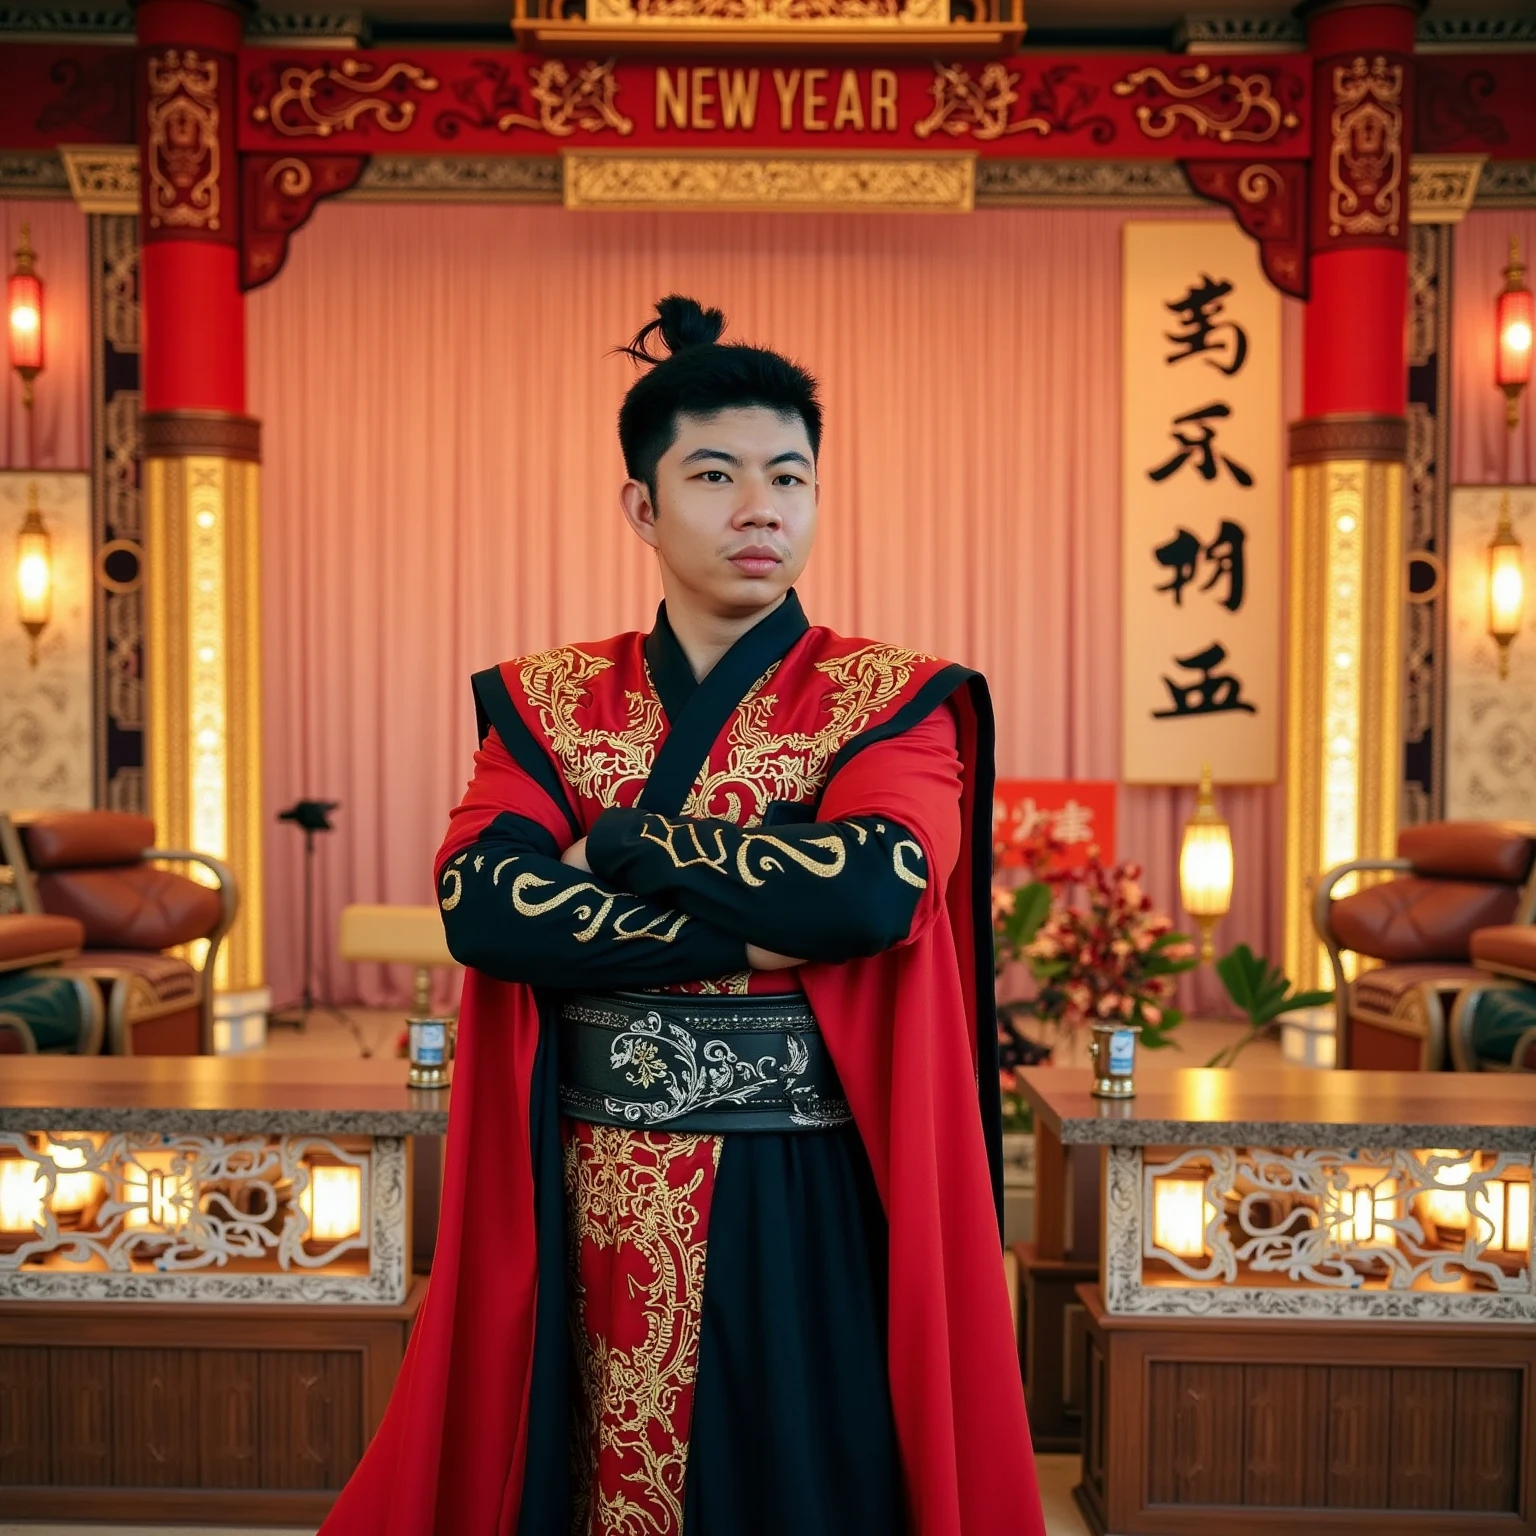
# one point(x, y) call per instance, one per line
point(1357, 1232)
point(133, 1216)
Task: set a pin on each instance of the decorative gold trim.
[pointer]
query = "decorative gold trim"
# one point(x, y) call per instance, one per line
point(1217, 103)
point(1441, 188)
point(103, 178)
point(1343, 726)
point(1349, 435)
point(203, 678)
point(932, 182)
point(301, 107)
point(1365, 156)
point(868, 27)
point(175, 434)
point(182, 145)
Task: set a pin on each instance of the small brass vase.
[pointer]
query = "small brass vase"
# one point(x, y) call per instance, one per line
point(1112, 1049)
point(430, 1048)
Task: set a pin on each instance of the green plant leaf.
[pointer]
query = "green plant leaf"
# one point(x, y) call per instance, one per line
point(1031, 907)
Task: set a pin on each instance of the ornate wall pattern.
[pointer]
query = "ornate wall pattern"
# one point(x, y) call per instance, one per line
point(117, 514)
point(1425, 534)
point(1490, 768)
point(45, 726)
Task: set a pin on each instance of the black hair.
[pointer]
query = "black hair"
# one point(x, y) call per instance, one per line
point(699, 375)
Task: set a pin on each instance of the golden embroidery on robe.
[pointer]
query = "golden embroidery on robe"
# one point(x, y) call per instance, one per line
point(637, 1205)
point(597, 764)
point(762, 766)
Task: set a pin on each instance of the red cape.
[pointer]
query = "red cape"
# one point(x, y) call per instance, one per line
point(902, 1028)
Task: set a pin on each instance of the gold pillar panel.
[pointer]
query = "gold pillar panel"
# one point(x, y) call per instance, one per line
point(1343, 744)
point(204, 675)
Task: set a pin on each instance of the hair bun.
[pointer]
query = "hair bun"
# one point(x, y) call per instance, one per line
point(686, 323)
point(682, 323)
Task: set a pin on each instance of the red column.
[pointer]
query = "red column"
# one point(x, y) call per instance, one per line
point(1356, 321)
point(194, 313)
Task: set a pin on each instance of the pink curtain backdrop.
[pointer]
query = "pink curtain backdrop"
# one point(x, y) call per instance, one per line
point(438, 396)
point(58, 436)
point(1483, 451)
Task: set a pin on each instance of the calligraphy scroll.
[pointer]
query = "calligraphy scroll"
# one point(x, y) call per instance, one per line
point(1200, 475)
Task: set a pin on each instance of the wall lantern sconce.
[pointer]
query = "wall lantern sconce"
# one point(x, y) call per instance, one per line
point(24, 305)
point(1205, 867)
point(1506, 586)
point(34, 573)
point(1514, 322)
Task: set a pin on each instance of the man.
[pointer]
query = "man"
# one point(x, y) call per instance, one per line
point(719, 1248)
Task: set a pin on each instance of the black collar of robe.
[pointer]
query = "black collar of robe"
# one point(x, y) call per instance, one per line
point(697, 711)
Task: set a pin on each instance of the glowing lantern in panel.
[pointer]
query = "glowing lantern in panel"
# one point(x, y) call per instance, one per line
point(24, 307)
point(333, 1201)
point(159, 1197)
point(1503, 1208)
point(1368, 1203)
point(1445, 1207)
point(1205, 866)
point(21, 1195)
point(1180, 1215)
point(72, 1192)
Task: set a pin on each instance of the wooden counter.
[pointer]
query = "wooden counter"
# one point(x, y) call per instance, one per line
point(233, 1095)
point(182, 1338)
point(1314, 1302)
point(1289, 1106)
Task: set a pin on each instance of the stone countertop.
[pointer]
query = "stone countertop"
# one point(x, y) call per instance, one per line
point(1290, 1107)
point(231, 1095)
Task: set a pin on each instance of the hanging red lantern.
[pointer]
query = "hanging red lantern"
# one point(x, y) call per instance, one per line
point(24, 305)
point(1514, 325)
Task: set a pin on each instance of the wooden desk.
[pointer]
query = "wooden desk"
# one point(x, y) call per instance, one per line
point(1318, 1345)
point(176, 1341)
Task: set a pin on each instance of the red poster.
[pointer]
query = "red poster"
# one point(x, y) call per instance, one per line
point(1081, 811)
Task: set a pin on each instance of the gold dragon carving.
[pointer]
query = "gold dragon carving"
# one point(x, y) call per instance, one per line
point(318, 101)
point(1220, 104)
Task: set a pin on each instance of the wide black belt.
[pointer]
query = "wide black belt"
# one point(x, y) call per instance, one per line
point(670, 1062)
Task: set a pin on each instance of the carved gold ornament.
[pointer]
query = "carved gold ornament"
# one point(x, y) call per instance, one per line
point(103, 178)
point(183, 140)
point(567, 102)
point(1219, 104)
point(1441, 188)
point(1365, 155)
point(922, 13)
point(317, 102)
point(981, 108)
point(813, 183)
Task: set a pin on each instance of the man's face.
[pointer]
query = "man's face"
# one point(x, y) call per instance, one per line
point(734, 515)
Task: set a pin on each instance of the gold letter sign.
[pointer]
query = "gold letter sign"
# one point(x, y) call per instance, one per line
point(1201, 477)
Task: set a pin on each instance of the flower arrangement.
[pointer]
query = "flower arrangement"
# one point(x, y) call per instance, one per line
point(1094, 945)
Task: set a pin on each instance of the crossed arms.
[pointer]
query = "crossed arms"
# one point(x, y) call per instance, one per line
point(676, 898)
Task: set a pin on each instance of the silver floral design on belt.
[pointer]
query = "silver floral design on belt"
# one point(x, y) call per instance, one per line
point(698, 1074)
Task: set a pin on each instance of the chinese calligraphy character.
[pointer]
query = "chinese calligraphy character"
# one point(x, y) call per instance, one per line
point(1211, 694)
point(1074, 823)
point(1225, 552)
point(1203, 331)
point(1179, 554)
point(1199, 442)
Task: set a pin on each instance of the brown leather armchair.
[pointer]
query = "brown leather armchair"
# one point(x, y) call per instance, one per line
point(42, 1008)
point(1452, 879)
point(99, 867)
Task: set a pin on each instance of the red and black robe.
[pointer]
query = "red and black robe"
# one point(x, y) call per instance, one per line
point(620, 1322)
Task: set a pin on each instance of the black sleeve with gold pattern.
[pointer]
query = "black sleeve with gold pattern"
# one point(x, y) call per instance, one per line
point(824, 890)
point(513, 910)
